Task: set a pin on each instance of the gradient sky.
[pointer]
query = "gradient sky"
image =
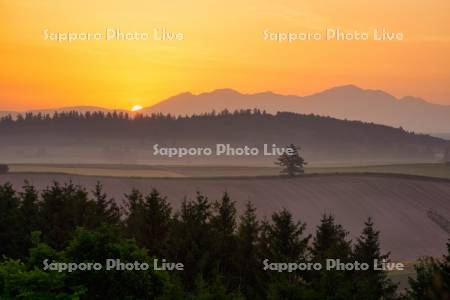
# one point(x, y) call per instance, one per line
point(223, 47)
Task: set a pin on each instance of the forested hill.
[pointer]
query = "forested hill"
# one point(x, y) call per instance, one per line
point(320, 137)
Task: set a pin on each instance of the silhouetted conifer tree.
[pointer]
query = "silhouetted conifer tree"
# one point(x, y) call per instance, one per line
point(149, 221)
point(63, 208)
point(293, 164)
point(249, 255)
point(29, 215)
point(223, 225)
point(371, 284)
point(191, 240)
point(106, 210)
point(330, 242)
point(9, 222)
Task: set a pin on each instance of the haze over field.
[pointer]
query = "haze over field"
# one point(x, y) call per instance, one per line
point(116, 138)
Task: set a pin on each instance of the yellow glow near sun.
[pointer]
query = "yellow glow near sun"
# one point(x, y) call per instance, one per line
point(136, 108)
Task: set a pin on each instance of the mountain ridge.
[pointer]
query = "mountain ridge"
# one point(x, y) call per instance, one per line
point(343, 102)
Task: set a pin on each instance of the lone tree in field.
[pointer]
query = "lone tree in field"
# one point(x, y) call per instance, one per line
point(291, 161)
point(4, 169)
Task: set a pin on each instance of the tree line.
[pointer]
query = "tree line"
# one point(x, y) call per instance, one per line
point(121, 124)
point(323, 138)
point(222, 252)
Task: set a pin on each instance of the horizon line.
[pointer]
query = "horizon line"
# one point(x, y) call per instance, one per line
point(350, 85)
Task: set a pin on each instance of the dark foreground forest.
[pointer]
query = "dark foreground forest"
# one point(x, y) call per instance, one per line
point(223, 254)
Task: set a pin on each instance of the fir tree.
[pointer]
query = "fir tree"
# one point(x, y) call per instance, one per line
point(63, 209)
point(445, 271)
point(330, 242)
point(223, 224)
point(286, 242)
point(191, 240)
point(371, 284)
point(106, 210)
point(249, 256)
point(9, 221)
point(29, 214)
point(287, 239)
point(427, 284)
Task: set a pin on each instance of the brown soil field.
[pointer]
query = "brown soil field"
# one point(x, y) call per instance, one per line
point(437, 170)
point(398, 204)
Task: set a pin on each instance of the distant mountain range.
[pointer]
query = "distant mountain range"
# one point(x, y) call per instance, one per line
point(344, 102)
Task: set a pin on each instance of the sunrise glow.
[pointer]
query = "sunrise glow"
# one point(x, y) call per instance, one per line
point(136, 108)
point(205, 45)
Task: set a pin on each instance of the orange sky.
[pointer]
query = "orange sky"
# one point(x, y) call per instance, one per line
point(223, 46)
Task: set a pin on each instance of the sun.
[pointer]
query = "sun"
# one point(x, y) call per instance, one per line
point(136, 108)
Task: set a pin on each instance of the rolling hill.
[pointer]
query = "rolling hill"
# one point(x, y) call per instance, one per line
point(99, 138)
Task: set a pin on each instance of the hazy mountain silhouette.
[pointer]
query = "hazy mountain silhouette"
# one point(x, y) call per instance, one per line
point(344, 102)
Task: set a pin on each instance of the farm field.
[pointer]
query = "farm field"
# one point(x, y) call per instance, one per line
point(427, 170)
